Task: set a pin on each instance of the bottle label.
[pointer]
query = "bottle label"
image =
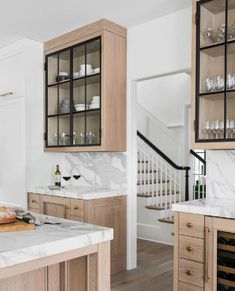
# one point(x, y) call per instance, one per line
point(57, 178)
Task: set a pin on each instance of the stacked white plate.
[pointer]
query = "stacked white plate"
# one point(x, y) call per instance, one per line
point(81, 107)
point(95, 103)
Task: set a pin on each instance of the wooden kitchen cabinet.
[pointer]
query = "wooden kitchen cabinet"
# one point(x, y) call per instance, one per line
point(213, 74)
point(85, 89)
point(204, 263)
point(109, 212)
point(55, 206)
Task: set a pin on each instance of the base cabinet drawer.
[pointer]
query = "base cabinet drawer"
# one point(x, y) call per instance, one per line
point(33, 201)
point(191, 248)
point(191, 225)
point(187, 287)
point(191, 272)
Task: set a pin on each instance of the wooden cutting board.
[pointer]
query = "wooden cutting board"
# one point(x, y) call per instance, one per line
point(18, 225)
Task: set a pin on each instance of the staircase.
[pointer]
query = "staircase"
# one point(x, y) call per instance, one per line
point(160, 180)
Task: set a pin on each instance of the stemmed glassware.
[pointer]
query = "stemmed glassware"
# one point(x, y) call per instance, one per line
point(215, 129)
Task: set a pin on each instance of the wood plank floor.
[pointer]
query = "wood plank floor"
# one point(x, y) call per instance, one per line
point(154, 271)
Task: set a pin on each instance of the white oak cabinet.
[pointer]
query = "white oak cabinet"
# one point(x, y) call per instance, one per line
point(204, 253)
point(109, 212)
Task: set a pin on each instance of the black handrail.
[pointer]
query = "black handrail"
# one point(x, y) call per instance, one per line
point(198, 157)
point(169, 161)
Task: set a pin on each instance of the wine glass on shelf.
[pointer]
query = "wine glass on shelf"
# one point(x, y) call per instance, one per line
point(221, 126)
point(217, 129)
point(228, 128)
point(212, 129)
point(206, 130)
point(231, 128)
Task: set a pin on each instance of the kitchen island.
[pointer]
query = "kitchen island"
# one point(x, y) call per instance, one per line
point(68, 256)
point(99, 206)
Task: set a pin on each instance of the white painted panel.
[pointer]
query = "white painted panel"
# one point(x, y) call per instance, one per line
point(12, 74)
point(12, 151)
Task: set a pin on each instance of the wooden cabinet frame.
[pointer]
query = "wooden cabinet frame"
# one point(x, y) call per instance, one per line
point(195, 142)
point(113, 82)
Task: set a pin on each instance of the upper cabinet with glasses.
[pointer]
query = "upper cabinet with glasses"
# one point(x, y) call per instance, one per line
point(213, 74)
point(85, 89)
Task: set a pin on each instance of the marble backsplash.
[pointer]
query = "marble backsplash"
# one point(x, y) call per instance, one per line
point(101, 170)
point(221, 174)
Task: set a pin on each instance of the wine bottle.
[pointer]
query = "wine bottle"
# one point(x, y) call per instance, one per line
point(57, 176)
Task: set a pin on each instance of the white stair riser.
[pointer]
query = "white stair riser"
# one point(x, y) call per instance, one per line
point(148, 188)
point(157, 200)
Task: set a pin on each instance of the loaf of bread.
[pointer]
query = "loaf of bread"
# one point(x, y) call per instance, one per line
point(7, 215)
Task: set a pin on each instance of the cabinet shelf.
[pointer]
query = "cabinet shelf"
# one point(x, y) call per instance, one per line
point(58, 83)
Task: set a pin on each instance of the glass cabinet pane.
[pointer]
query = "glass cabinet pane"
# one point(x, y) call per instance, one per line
point(52, 64)
point(79, 130)
point(211, 117)
point(79, 53)
point(231, 66)
point(76, 124)
point(64, 130)
point(64, 66)
point(93, 92)
point(212, 69)
point(231, 20)
point(93, 57)
point(52, 136)
point(93, 127)
point(212, 22)
point(52, 100)
point(230, 123)
point(64, 98)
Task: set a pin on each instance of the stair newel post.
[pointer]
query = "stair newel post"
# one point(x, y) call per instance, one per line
point(187, 183)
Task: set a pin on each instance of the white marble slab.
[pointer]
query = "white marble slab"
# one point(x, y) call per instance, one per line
point(220, 174)
point(24, 246)
point(209, 206)
point(78, 192)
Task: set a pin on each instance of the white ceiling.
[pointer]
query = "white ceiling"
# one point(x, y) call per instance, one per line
point(45, 19)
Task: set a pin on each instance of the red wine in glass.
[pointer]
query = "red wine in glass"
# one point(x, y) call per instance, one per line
point(66, 178)
point(76, 177)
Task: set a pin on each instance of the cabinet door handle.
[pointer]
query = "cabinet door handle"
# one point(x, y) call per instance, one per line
point(189, 273)
point(207, 231)
point(189, 249)
point(189, 224)
point(76, 208)
point(34, 201)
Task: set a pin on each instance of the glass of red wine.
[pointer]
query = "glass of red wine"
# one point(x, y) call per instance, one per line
point(66, 178)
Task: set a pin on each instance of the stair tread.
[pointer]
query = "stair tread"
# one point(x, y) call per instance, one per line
point(158, 207)
point(167, 220)
point(152, 182)
point(148, 195)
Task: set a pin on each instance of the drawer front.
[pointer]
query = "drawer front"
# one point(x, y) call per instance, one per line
point(33, 201)
point(191, 248)
point(187, 287)
point(191, 225)
point(77, 207)
point(191, 272)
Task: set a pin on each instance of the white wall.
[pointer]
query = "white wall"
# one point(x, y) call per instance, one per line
point(157, 47)
point(160, 46)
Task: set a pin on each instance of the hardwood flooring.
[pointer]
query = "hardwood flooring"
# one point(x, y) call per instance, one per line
point(154, 271)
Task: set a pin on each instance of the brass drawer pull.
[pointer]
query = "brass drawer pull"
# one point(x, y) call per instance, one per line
point(75, 208)
point(189, 273)
point(189, 249)
point(34, 201)
point(189, 224)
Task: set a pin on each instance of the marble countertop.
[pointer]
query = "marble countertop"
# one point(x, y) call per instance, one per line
point(210, 206)
point(78, 192)
point(46, 240)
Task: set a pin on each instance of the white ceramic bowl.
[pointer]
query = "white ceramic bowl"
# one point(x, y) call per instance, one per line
point(96, 70)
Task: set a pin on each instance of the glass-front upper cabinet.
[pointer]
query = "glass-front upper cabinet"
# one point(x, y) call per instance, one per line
point(215, 71)
point(73, 96)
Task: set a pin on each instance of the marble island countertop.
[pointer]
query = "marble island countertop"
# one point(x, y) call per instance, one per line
point(47, 240)
point(210, 206)
point(78, 192)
